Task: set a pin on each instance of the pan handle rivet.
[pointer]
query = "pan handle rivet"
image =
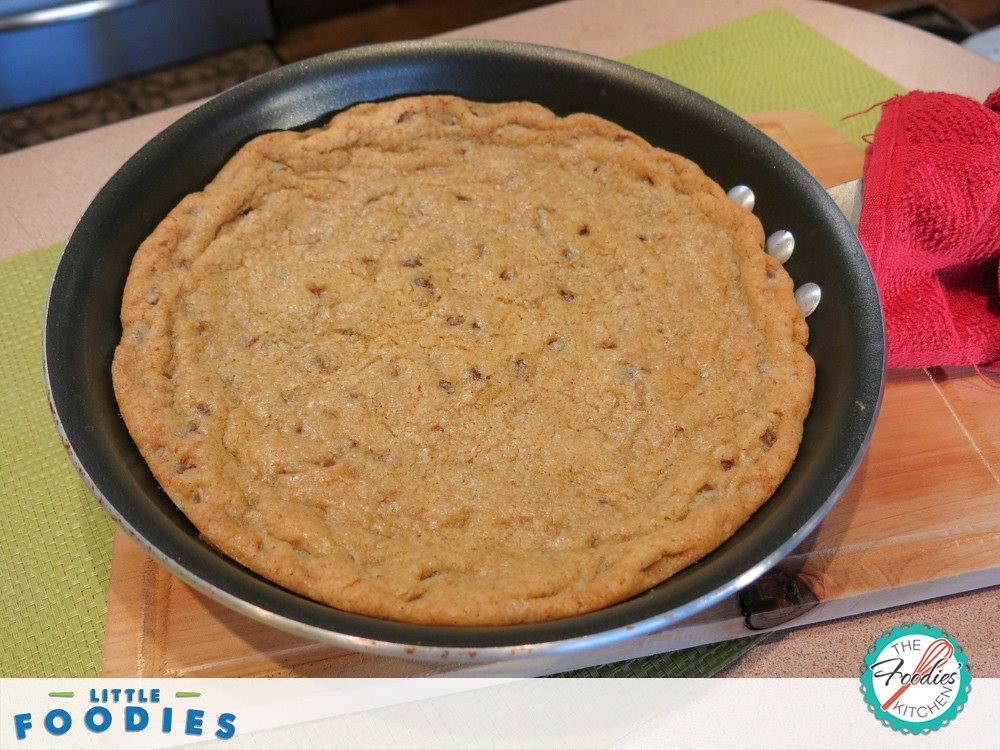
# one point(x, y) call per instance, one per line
point(780, 245)
point(807, 297)
point(742, 195)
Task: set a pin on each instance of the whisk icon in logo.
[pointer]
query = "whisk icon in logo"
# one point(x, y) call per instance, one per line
point(915, 679)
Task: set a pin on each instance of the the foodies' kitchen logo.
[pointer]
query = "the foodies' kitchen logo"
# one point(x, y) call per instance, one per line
point(915, 679)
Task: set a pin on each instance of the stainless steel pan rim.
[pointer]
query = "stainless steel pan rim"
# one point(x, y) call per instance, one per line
point(81, 324)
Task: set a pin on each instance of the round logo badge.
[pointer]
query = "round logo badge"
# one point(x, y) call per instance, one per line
point(915, 679)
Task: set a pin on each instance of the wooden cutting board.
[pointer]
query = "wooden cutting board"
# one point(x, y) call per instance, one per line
point(920, 519)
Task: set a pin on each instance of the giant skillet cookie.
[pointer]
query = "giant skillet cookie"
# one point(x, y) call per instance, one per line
point(457, 363)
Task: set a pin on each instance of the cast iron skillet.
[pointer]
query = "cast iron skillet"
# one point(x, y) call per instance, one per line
point(82, 321)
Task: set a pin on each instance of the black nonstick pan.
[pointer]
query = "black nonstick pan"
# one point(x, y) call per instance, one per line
point(82, 322)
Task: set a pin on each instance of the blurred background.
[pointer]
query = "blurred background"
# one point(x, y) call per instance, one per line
point(66, 67)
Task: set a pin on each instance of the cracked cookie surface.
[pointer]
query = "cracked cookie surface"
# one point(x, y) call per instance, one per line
point(457, 363)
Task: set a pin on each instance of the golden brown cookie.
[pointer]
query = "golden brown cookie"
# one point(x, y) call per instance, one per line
point(459, 363)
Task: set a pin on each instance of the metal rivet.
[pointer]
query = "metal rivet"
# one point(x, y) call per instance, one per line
point(807, 297)
point(780, 245)
point(743, 195)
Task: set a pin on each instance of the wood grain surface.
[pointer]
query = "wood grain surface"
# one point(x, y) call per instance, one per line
point(921, 517)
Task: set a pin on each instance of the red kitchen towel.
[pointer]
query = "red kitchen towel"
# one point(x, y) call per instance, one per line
point(930, 224)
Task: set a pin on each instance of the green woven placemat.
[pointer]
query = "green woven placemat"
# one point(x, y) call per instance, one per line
point(772, 61)
point(55, 558)
point(699, 661)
